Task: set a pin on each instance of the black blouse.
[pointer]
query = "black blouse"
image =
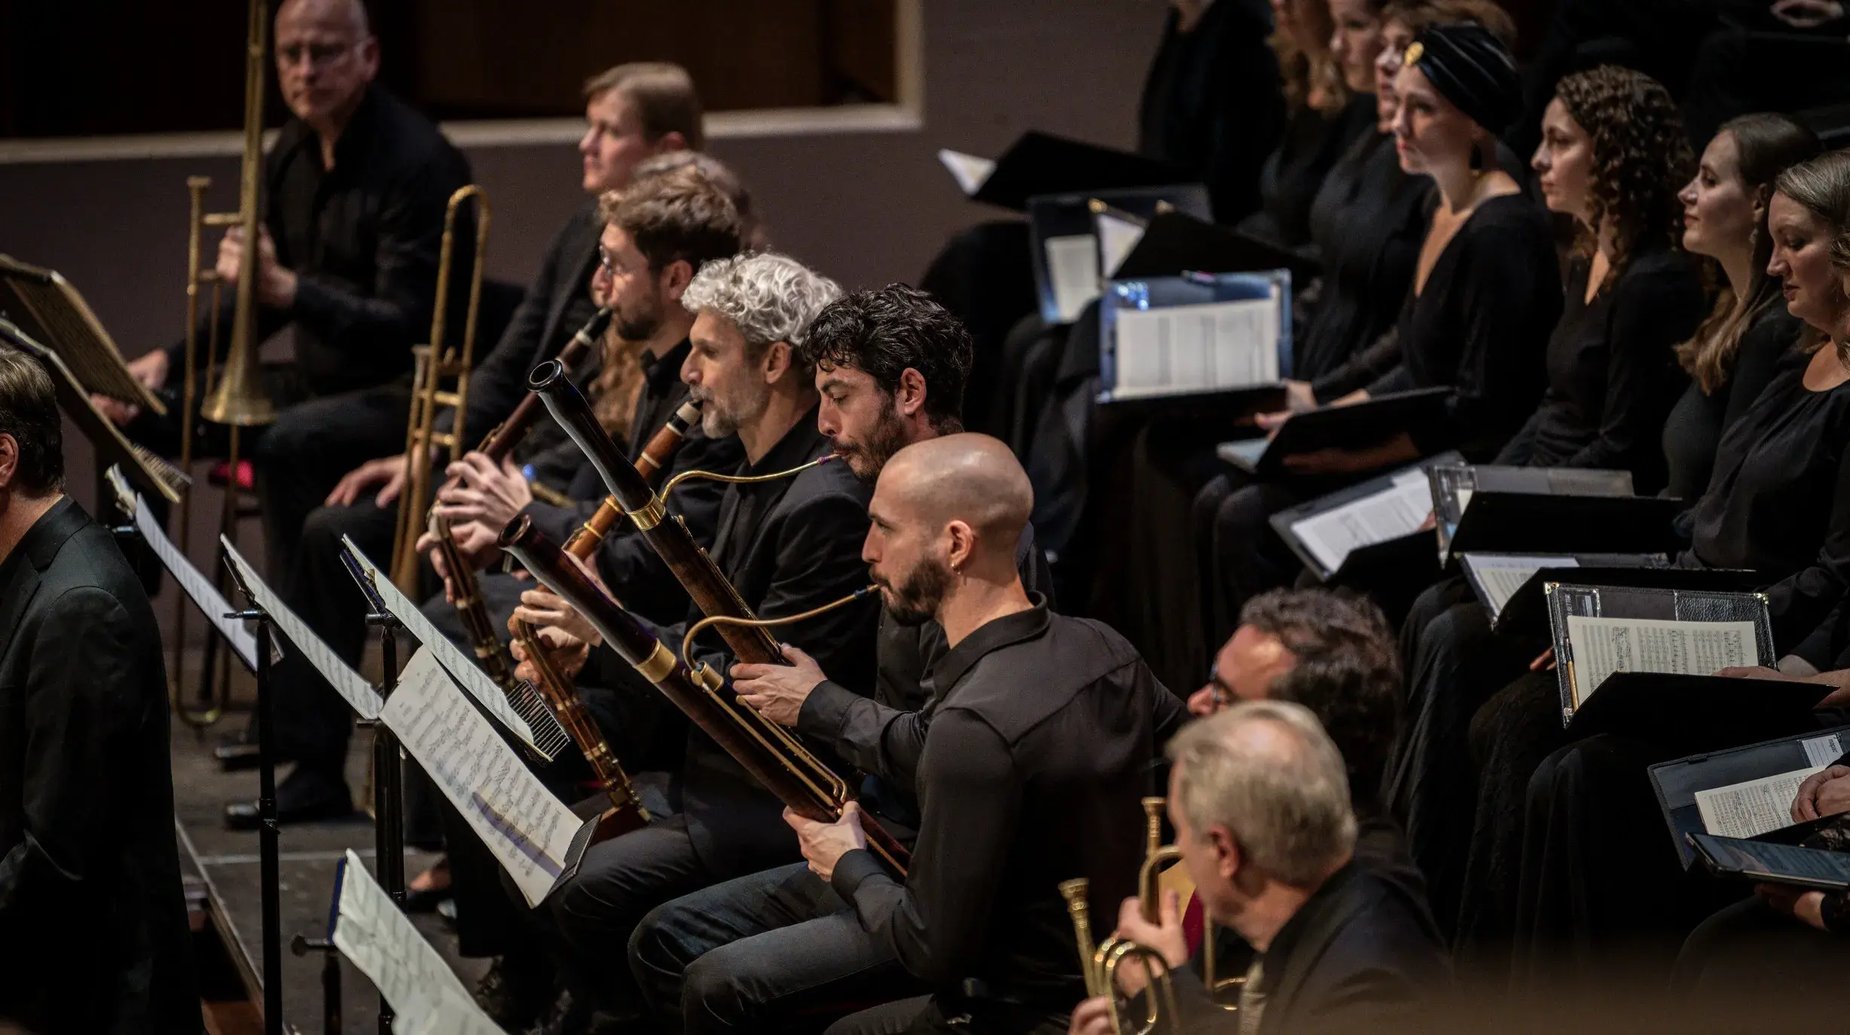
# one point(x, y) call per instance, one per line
point(1481, 325)
point(1293, 174)
point(1612, 370)
point(1779, 500)
point(1366, 224)
point(1698, 420)
point(1212, 103)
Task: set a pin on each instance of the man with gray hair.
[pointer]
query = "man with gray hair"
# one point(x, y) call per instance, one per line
point(1260, 803)
point(788, 545)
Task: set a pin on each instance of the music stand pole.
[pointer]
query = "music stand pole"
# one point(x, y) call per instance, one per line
point(269, 872)
point(388, 789)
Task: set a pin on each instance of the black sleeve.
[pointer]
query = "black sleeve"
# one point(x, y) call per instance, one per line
point(1756, 362)
point(873, 737)
point(1521, 446)
point(631, 567)
point(499, 381)
point(1801, 602)
point(1361, 369)
point(409, 233)
point(79, 708)
point(1651, 312)
point(936, 921)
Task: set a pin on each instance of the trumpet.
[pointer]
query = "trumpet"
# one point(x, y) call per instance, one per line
point(1101, 963)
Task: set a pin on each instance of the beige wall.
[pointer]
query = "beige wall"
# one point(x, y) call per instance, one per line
point(865, 206)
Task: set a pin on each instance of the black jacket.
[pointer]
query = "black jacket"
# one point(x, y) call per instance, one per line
point(93, 934)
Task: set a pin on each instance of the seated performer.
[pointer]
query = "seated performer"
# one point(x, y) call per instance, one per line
point(1033, 765)
point(740, 956)
point(354, 192)
point(93, 935)
point(1261, 813)
point(788, 545)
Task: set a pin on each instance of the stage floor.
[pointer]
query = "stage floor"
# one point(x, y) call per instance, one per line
point(222, 867)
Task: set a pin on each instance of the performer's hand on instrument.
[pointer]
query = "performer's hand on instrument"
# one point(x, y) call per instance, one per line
point(276, 285)
point(568, 654)
point(824, 844)
point(115, 411)
point(543, 608)
point(1823, 793)
point(1806, 905)
point(387, 472)
point(1165, 936)
point(486, 492)
point(778, 691)
point(1092, 1017)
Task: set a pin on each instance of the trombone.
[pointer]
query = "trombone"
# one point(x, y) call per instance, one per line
point(432, 364)
point(238, 397)
point(1101, 963)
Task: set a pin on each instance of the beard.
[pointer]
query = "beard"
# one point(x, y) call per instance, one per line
point(638, 323)
point(915, 599)
point(722, 417)
point(886, 437)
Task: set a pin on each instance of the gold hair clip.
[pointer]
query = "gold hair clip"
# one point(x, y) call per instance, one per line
point(1415, 51)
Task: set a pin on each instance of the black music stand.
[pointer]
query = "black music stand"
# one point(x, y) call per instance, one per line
point(269, 862)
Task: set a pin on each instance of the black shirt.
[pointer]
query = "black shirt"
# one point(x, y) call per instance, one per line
point(1779, 501)
point(1481, 325)
point(362, 239)
point(1293, 174)
point(1032, 773)
point(1366, 224)
point(1697, 422)
point(1212, 103)
point(1612, 370)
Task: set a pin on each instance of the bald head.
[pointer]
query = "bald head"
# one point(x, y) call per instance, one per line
point(347, 14)
point(325, 57)
point(965, 477)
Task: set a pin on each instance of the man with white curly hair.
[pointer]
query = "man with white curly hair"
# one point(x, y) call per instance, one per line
point(787, 545)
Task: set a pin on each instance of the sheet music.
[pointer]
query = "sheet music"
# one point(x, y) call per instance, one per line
point(449, 1015)
point(466, 672)
point(1116, 238)
point(526, 829)
point(1602, 646)
point(355, 690)
point(1400, 509)
point(1822, 751)
point(1072, 272)
point(53, 307)
point(1502, 574)
point(379, 939)
point(195, 585)
point(1196, 348)
point(969, 171)
point(1752, 807)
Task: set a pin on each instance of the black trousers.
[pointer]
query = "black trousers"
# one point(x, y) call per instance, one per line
point(774, 950)
point(932, 1014)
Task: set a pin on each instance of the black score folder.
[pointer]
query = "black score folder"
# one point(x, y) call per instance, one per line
point(1765, 862)
point(1492, 509)
point(1526, 611)
point(1498, 579)
point(1376, 530)
point(1743, 791)
point(1603, 632)
point(1225, 335)
point(1077, 240)
point(1173, 242)
point(1041, 163)
point(1357, 426)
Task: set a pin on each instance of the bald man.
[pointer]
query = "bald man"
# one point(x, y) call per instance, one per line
point(1033, 765)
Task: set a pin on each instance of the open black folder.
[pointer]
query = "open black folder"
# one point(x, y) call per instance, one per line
point(1766, 862)
point(1068, 251)
point(1526, 611)
point(1041, 163)
point(1358, 426)
point(1374, 531)
point(1745, 791)
point(1175, 242)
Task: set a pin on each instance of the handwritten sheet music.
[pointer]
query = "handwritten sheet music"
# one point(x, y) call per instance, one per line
point(1400, 509)
point(1116, 238)
point(1196, 348)
point(379, 939)
point(526, 829)
point(1072, 272)
point(1502, 574)
point(969, 171)
point(1602, 646)
point(466, 672)
point(1752, 807)
point(355, 690)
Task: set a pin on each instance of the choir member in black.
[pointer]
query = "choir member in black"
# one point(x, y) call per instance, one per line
point(354, 194)
point(1211, 102)
point(1032, 767)
point(93, 934)
point(1484, 295)
point(1735, 352)
point(787, 545)
point(741, 956)
point(1613, 157)
point(1778, 503)
point(1326, 98)
point(1260, 806)
point(683, 221)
